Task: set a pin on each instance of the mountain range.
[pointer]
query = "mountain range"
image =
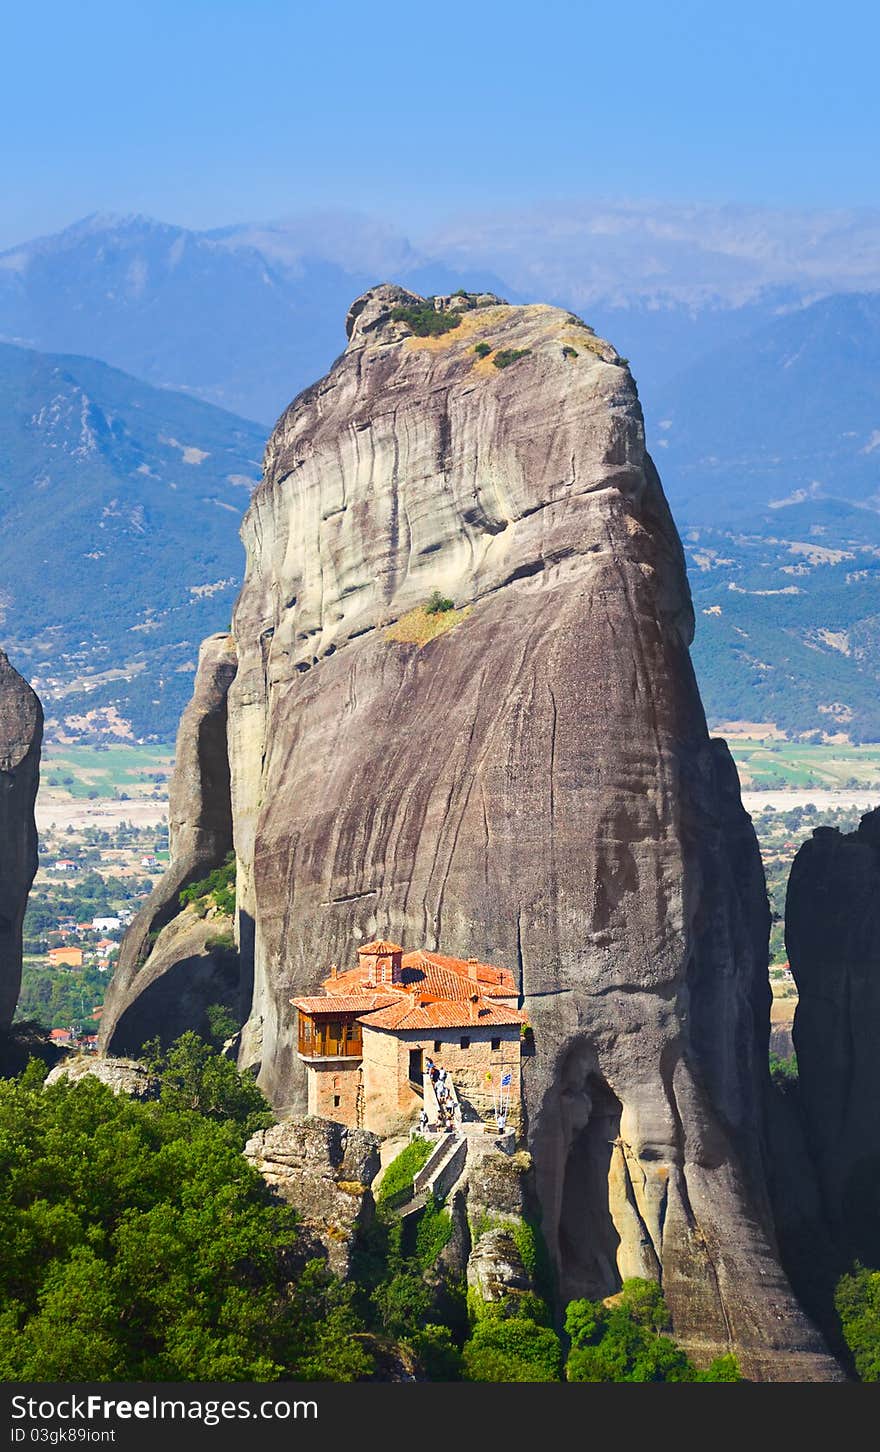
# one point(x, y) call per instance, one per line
point(119, 549)
point(762, 408)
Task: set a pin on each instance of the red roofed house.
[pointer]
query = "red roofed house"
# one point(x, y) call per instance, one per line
point(365, 1037)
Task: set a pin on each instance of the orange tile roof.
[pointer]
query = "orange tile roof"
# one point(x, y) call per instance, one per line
point(450, 977)
point(345, 1002)
point(438, 974)
point(418, 1013)
point(434, 991)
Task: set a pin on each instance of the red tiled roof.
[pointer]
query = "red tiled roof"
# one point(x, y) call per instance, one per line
point(437, 974)
point(418, 1013)
point(451, 977)
point(345, 1002)
point(435, 991)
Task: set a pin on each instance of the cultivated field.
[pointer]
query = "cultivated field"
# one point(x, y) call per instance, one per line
point(103, 785)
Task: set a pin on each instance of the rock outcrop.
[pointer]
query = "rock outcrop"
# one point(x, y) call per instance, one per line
point(168, 971)
point(534, 785)
point(832, 935)
point(21, 736)
point(324, 1170)
point(123, 1076)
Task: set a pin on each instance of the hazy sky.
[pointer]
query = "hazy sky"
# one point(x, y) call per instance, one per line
point(207, 111)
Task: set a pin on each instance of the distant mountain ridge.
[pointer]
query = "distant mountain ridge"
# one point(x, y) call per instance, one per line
point(205, 313)
point(762, 411)
point(119, 548)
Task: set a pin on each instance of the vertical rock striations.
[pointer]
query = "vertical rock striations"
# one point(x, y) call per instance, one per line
point(527, 779)
point(21, 735)
point(167, 973)
point(535, 785)
point(832, 935)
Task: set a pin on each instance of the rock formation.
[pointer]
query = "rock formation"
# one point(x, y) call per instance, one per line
point(168, 973)
point(324, 1170)
point(533, 786)
point(21, 735)
point(123, 1076)
point(832, 935)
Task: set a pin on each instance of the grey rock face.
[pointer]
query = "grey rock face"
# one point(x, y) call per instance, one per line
point(495, 1268)
point(165, 976)
point(324, 1170)
point(535, 786)
point(832, 935)
point(21, 735)
point(123, 1076)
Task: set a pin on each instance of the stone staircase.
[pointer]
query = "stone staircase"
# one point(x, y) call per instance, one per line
point(439, 1173)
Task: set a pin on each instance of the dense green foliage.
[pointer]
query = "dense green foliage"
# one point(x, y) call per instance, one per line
point(511, 1341)
point(218, 886)
point(433, 1233)
point(783, 1072)
point(424, 320)
point(397, 1181)
point(624, 1341)
point(505, 356)
point(482, 350)
point(569, 352)
point(62, 998)
point(140, 1245)
point(437, 604)
point(512, 1350)
point(195, 1079)
point(857, 1302)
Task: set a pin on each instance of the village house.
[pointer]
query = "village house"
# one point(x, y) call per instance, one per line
point(106, 925)
point(366, 1037)
point(65, 957)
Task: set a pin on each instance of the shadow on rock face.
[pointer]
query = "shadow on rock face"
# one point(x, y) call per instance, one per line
point(588, 1237)
point(178, 1000)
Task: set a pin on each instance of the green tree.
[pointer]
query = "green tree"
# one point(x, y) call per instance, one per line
point(140, 1245)
point(857, 1301)
point(513, 1348)
point(195, 1078)
point(624, 1341)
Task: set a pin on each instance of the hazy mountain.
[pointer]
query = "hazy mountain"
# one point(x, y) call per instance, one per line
point(206, 313)
point(245, 316)
point(790, 411)
point(119, 548)
point(763, 413)
point(769, 451)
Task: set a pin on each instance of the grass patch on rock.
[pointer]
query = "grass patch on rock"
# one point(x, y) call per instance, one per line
point(421, 625)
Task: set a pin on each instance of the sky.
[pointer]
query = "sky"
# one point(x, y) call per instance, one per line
point(204, 112)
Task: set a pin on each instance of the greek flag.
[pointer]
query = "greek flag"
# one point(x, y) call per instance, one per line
point(505, 1079)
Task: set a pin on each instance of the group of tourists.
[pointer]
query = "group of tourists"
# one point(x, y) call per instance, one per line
point(448, 1107)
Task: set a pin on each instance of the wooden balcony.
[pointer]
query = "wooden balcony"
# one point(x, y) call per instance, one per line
point(335, 1036)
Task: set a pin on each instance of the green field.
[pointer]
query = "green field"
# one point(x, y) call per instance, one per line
point(775, 765)
point(81, 771)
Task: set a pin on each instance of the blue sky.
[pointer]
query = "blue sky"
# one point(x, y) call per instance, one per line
point(207, 111)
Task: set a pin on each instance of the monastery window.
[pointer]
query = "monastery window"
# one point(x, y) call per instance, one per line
point(496, 1043)
point(335, 1101)
point(438, 1044)
point(464, 1042)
